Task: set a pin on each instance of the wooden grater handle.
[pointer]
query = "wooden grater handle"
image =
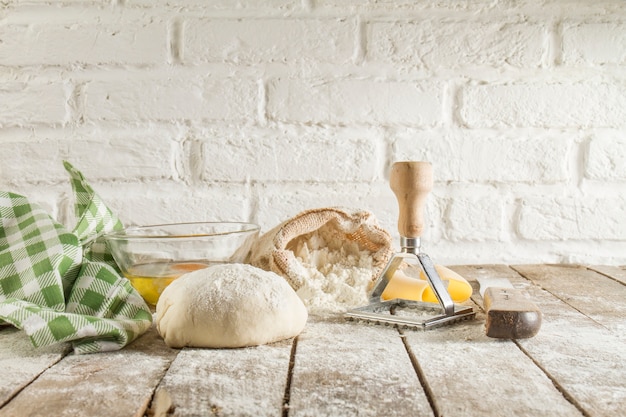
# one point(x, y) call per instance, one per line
point(411, 182)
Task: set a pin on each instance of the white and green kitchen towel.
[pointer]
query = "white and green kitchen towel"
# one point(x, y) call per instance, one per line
point(63, 286)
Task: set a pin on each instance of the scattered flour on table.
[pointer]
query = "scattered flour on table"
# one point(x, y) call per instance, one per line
point(339, 272)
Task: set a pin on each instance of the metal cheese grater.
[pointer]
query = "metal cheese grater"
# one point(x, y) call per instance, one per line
point(411, 182)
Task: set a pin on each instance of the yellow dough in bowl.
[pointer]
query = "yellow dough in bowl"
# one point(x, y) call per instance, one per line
point(409, 288)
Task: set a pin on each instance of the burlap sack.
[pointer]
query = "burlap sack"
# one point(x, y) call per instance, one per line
point(272, 251)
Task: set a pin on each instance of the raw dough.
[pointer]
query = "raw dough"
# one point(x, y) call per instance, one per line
point(229, 305)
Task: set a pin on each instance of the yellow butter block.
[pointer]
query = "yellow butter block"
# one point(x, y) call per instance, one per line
point(409, 288)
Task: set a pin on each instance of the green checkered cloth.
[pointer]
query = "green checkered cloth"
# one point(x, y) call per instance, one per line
point(61, 286)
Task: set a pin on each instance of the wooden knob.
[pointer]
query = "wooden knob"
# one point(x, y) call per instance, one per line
point(411, 182)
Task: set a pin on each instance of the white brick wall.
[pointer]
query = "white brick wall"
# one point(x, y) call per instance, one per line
point(255, 110)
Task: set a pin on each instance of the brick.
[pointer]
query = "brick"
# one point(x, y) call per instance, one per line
point(28, 104)
point(594, 43)
point(163, 108)
point(127, 157)
point(544, 218)
point(475, 156)
point(526, 9)
point(31, 161)
point(402, 5)
point(348, 101)
point(279, 202)
point(549, 105)
point(289, 155)
point(266, 6)
point(170, 202)
point(147, 97)
point(435, 44)
point(112, 157)
point(475, 219)
point(606, 158)
point(131, 42)
point(283, 40)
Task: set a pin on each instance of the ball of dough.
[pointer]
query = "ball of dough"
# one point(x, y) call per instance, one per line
point(228, 306)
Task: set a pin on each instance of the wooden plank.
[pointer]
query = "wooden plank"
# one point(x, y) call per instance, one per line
point(225, 382)
point(117, 383)
point(354, 369)
point(470, 374)
point(618, 273)
point(593, 294)
point(574, 366)
point(21, 363)
point(586, 361)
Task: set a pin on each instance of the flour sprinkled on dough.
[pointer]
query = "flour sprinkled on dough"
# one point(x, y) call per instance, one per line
point(229, 305)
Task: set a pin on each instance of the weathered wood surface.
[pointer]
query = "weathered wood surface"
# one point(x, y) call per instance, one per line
point(574, 366)
point(21, 363)
point(615, 272)
point(581, 346)
point(587, 291)
point(499, 378)
point(241, 382)
point(111, 384)
point(354, 369)
point(585, 359)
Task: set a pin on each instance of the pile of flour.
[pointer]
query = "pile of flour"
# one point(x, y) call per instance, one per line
point(338, 272)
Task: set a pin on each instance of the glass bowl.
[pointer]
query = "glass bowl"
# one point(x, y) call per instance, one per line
point(151, 257)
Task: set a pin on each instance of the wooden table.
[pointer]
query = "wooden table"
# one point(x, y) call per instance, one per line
point(575, 366)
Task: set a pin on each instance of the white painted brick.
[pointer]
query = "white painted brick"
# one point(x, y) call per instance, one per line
point(256, 110)
point(28, 104)
point(594, 43)
point(475, 219)
point(475, 156)
point(399, 5)
point(472, 8)
point(129, 156)
point(526, 252)
point(434, 44)
point(117, 157)
point(345, 101)
point(434, 220)
point(606, 158)
point(130, 42)
point(257, 6)
point(276, 203)
point(545, 218)
point(31, 161)
point(282, 40)
point(179, 97)
point(172, 202)
point(312, 155)
point(549, 105)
